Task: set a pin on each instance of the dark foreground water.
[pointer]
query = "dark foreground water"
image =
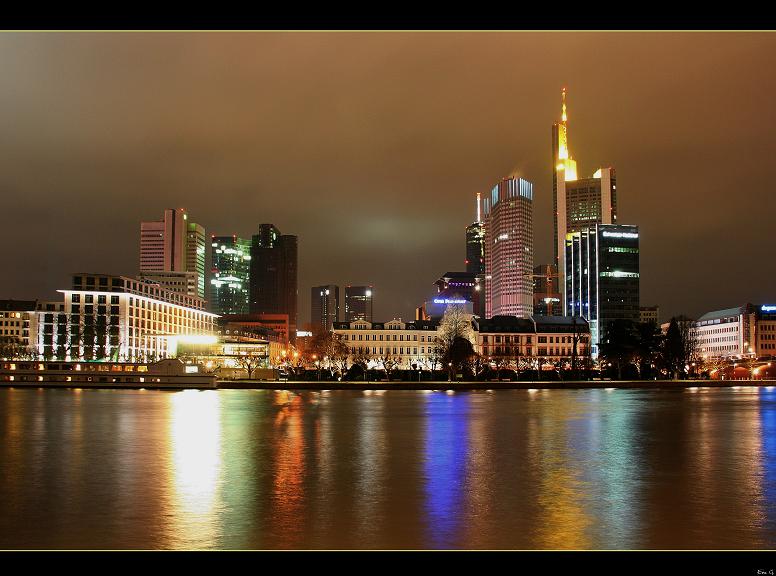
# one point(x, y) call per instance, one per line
point(580, 469)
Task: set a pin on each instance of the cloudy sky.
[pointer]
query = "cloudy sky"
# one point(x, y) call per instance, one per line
point(371, 146)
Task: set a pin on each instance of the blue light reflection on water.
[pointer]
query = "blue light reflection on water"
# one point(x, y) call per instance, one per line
point(445, 455)
point(768, 434)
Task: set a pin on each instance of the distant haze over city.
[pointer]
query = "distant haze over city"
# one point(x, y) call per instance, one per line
point(371, 147)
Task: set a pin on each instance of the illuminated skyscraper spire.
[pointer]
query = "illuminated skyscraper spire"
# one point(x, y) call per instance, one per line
point(565, 161)
point(478, 208)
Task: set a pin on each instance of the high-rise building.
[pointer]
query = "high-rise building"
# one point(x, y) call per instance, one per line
point(195, 255)
point(324, 307)
point(273, 275)
point(602, 276)
point(230, 275)
point(578, 203)
point(173, 245)
point(358, 303)
point(475, 243)
point(547, 300)
point(509, 249)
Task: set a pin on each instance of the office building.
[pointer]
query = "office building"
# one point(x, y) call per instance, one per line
point(195, 255)
point(547, 300)
point(649, 314)
point(324, 307)
point(274, 326)
point(455, 288)
point(358, 303)
point(475, 243)
point(273, 275)
point(230, 275)
point(173, 245)
point(509, 249)
point(747, 331)
point(181, 282)
point(578, 203)
point(106, 317)
point(602, 276)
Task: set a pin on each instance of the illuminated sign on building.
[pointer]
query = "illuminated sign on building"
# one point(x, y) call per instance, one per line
point(768, 308)
point(449, 301)
point(620, 234)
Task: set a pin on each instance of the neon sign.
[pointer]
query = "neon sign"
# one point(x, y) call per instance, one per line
point(768, 308)
point(449, 301)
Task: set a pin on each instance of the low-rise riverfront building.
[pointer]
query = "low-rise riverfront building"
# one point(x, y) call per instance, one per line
point(533, 341)
point(115, 317)
point(405, 343)
point(746, 331)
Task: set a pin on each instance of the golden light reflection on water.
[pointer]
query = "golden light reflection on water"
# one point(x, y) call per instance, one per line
point(562, 521)
point(195, 469)
point(288, 497)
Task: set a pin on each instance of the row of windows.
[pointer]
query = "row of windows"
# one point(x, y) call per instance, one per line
point(396, 350)
point(401, 337)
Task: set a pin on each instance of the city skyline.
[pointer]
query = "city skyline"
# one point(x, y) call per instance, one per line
point(684, 142)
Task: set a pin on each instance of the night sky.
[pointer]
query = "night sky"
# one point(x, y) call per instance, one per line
point(371, 147)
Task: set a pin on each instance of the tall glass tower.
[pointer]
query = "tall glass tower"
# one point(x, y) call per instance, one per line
point(230, 275)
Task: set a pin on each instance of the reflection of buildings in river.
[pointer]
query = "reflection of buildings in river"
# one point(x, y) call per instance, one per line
point(563, 522)
point(608, 445)
point(371, 450)
point(767, 421)
point(446, 449)
point(288, 491)
point(481, 497)
point(195, 469)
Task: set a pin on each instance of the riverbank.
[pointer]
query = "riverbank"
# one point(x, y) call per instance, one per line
point(476, 385)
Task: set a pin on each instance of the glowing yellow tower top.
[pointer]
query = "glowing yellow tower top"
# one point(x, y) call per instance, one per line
point(566, 163)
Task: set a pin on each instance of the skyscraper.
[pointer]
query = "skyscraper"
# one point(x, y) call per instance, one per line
point(358, 303)
point(324, 307)
point(273, 275)
point(602, 276)
point(163, 243)
point(509, 249)
point(195, 255)
point(230, 275)
point(577, 203)
point(475, 247)
point(172, 253)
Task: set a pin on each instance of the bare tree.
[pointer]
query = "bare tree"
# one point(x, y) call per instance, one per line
point(250, 361)
point(388, 363)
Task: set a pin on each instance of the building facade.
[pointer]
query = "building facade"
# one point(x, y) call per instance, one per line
point(324, 307)
point(578, 203)
point(359, 303)
point(410, 345)
point(533, 342)
point(602, 276)
point(649, 314)
point(181, 282)
point(230, 275)
point(173, 245)
point(195, 255)
point(106, 317)
point(509, 249)
point(18, 324)
point(273, 275)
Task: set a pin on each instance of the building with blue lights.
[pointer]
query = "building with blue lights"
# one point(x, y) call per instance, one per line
point(602, 276)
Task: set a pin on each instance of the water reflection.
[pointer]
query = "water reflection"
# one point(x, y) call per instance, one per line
point(446, 448)
point(585, 469)
point(195, 444)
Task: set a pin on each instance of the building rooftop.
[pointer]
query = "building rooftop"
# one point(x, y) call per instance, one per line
point(17, 305)
point(719, 314)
